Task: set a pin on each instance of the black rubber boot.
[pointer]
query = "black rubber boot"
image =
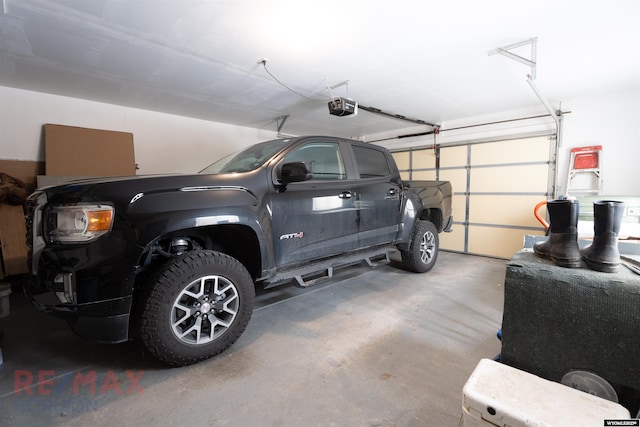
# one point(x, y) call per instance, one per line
point(602, 254)
point(562, 245)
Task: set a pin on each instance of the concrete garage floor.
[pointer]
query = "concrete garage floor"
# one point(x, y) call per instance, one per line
point(370, 347)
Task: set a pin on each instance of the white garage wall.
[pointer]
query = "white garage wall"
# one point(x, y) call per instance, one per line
point(169, 143)
point(164, 143)
point(611, 120)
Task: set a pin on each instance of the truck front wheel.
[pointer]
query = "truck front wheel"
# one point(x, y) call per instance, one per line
point(422, 253)
point(197, 306)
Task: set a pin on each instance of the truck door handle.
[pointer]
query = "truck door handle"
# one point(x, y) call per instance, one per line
point(345, 195)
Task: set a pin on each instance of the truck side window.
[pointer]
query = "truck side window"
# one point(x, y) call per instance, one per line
point(322, 158)
point(372, 163)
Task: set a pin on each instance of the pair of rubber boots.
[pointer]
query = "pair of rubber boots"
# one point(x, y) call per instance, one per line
point(562, 245)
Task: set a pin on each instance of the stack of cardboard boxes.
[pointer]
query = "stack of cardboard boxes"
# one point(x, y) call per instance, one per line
point(13, 246)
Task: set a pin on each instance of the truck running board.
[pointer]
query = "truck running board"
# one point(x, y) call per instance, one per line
point(313, 274)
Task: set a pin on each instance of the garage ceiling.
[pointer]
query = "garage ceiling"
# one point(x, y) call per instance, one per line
point(421, 59)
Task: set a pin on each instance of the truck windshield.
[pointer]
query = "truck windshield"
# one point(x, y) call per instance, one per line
point(247, 160)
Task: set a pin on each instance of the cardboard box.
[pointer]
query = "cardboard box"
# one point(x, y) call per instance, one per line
point(24, 170)
point(75, 151)
point(13, 240)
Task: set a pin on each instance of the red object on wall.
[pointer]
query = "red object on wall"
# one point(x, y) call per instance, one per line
point(586, 157)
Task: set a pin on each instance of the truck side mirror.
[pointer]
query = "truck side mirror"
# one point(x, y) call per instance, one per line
point(294, 172)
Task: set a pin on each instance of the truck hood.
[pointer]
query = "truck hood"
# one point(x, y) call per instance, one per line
point(125, 189)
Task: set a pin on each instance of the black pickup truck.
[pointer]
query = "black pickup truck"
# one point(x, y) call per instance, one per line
point(174, 260)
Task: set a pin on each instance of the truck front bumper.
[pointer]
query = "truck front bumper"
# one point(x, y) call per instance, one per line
point(89, 303)
point(104, 321)
point(88, 285)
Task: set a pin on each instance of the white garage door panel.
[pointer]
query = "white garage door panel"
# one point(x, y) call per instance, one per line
point(403, 160)
point(496, 185)
point(453, 156)
point(504, 210)
point(497, 242)
point(424, 159)
point(510, 179)
point(459, 203)
point(457, 177)
point(429, 175)
point(454, 240)
point(511, 151)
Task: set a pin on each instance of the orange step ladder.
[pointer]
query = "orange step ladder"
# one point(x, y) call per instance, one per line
point(585, 176)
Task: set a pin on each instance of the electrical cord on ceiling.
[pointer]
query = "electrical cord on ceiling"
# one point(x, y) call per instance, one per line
point(264, 64)
point(263, 61)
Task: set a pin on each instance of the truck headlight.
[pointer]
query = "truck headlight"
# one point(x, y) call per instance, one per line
point(78, 223)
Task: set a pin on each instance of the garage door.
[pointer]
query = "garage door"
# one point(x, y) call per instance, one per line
point(496, 186)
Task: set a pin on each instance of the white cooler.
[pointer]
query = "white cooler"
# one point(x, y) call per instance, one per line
point(500, 395)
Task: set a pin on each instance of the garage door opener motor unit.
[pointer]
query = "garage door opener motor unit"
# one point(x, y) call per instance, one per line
point(343, 107)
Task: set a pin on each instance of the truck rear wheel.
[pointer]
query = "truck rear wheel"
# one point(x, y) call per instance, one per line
point(197, 306)
point(422, 253)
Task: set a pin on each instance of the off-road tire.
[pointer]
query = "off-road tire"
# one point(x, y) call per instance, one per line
point(171, 326)
point(422, 253)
